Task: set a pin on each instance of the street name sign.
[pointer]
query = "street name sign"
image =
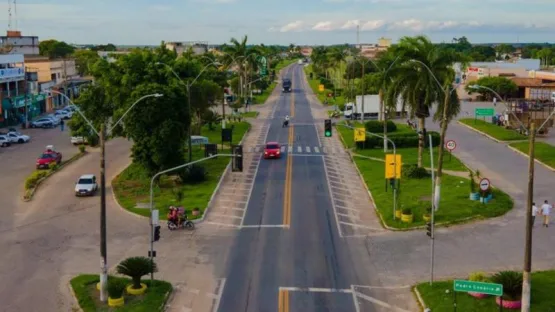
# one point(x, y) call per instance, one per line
point(485, 184)
point(478, 287)
point(484, 112)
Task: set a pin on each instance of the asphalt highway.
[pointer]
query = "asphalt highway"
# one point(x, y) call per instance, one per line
point(270, 266)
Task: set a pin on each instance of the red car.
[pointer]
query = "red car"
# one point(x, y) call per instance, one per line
point(48, 157)
point(272, 150)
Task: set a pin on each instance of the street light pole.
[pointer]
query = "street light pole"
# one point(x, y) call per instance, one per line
point(526, 278)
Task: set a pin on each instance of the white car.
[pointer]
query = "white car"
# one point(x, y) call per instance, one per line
point(4, 141)
point(77, 140)
point(42, 123)
point(16, 137)
point(86, 185)
point(55, 119)
point(63, 114)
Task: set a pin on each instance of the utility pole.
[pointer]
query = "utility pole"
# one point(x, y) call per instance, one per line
point(526, 278)
point(362, 83)
point(189, 143)
point(441, 146)
point(103, 260)
point(224, 102)
point(26, 123)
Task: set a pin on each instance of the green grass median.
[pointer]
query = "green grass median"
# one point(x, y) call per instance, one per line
point(439, 296)
point(132, 186)
point(88, 296)
point(543, 152)
point(495, 131)
point(314, 83)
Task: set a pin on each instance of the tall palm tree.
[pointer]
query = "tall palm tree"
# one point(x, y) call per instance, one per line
point(421, 66)
point(336, 58)
point(240, 55)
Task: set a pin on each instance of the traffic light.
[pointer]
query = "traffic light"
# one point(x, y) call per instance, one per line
point(237, 164)
point(429, 229)
point(156, 233)
point(327, 128)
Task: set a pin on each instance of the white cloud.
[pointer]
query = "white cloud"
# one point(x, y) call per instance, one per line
point(293, 26)
point(410, 24)
point(323, 26)
point(373, 25)
point(351, 24)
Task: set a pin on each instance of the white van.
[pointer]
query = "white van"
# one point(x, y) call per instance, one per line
point(553, 96)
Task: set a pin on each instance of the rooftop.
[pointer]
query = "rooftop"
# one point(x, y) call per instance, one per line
point(531, 82)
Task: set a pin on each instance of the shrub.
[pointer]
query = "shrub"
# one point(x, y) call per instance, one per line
point(512, 284)
point(81, 148)
point(478, 277)
point(53, 166)
point(116, 287)
point(376, 126)
point(135, 268)
point(406, 211)
point(34, 178)
point(412, 171)
point(193, 174)
point(401, 140)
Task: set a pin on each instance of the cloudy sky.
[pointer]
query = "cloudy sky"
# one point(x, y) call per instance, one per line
point(282, 21)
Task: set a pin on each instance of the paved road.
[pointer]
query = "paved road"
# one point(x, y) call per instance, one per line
point(304, 263)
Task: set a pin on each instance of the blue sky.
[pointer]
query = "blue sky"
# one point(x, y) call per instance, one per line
point(283, 21)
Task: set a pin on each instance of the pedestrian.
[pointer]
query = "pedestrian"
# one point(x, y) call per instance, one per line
point(546, 210)
point(494, 101)
point(534, 213)
point(62, 123)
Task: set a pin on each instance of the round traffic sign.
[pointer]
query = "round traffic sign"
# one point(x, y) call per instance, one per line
point(451, 145)
point(485, 184)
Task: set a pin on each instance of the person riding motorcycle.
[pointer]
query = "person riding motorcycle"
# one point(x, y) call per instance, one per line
point(286, 120)
point(173, 215)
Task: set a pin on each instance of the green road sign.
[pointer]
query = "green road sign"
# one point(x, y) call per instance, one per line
point(478, 287)
point(484, 112)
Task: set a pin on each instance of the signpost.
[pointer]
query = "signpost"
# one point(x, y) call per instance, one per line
point(450, 145)
point(477, 287)
point(393, 166)
point(321, 88)
point(485, 184)
point(483, 112)
point(360, 134)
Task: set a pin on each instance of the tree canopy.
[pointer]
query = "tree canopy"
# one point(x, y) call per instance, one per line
point(502, 85)
point(55, 49)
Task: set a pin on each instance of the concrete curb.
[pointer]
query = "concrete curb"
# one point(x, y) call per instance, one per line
point(168, 295)
point(75, 305)
point(481, 133)
point(39, 182)
point(525, 155)
point(419, 298)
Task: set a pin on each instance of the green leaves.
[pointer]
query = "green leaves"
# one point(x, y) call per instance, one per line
point(502, 85)
point(55, 49)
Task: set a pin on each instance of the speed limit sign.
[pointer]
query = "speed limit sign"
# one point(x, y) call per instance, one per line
point(451, 145)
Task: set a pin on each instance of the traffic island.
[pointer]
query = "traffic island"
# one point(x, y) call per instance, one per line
point(33, 181)
point(544, 153)
point(132, 185)
point(414, 193)
point(442, 294)
point(88, 297)
point(492, 131)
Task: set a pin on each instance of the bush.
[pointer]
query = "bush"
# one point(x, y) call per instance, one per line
point(512, 284)
point(135, 268)
point(53, 166)
point(116, 287)
point(401, 140)
point(376, 126)
point(406, 211)
point(81, 148)
point(193, 174)
point(478, 277)
point(34, 178)
point(412, 171)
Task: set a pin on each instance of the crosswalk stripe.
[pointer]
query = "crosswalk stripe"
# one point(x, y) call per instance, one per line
point(316, 149)
point(308, 149)
point(289, 149)
point(283, 149)
point(299, 149)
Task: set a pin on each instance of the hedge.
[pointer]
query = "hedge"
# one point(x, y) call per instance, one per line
point(400, 139)
point(376, 126)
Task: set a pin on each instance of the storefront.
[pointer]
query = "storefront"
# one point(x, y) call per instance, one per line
point(36, 105)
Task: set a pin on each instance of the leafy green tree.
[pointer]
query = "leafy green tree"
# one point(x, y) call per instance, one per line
point(55, 49)
point(84, 59)
point(502, 85)
point(482, 53)
point(105, 47)
point(205, 94)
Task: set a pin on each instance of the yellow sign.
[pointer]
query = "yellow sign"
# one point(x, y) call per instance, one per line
point(321, 88)
point(360, 135)
point(393, 166)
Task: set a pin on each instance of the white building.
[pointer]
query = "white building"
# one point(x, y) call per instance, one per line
point(15, 43)
point(198, 47)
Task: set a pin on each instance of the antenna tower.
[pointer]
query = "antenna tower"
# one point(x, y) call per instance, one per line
point(9, 15)
point(15, 13)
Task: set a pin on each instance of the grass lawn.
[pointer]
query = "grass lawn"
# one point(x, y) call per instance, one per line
point(455, 205)
point(249, 114)
point(322, 96)
point(409, 155)
point(132, 186)
point(436, 298)
point(88, 296)
point(543, 152)
point(495, 131)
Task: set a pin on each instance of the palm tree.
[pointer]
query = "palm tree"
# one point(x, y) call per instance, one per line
point(239, 54)
point(418, 79)
point(336, 57)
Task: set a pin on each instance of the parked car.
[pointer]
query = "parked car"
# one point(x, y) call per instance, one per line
point(55, 119)
point(42, 123)
point(4, 141)
point(16, 137)
point(63, 114)
point(49, 156)
point(77, 140)
point(86, 185)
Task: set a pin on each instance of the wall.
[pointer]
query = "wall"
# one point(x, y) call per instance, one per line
point(24, 44)
point(45, 69)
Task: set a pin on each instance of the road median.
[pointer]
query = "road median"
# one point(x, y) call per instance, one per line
point(544, 153)
point(494, 132)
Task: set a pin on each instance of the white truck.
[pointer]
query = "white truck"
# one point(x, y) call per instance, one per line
point(371, 107)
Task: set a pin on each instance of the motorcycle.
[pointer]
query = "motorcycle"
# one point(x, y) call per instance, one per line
point(185, 224)
point(285, 123)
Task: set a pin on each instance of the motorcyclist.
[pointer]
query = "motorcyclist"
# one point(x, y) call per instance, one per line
point(286, 120)
point(173, 215)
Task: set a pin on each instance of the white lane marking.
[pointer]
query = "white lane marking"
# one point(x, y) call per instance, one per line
point(355, 300)
point(305, 155)
point(317, 289)
point(290, 149)
point(316, 149)
point(260, 226)
point(299, 149)
point(308, 149)
point(383, 287)
point(330, 190)
point(379, 302)
point(360, 226)
point(216, 305)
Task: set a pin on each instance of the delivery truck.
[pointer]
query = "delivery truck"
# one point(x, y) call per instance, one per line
point(371, 107)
